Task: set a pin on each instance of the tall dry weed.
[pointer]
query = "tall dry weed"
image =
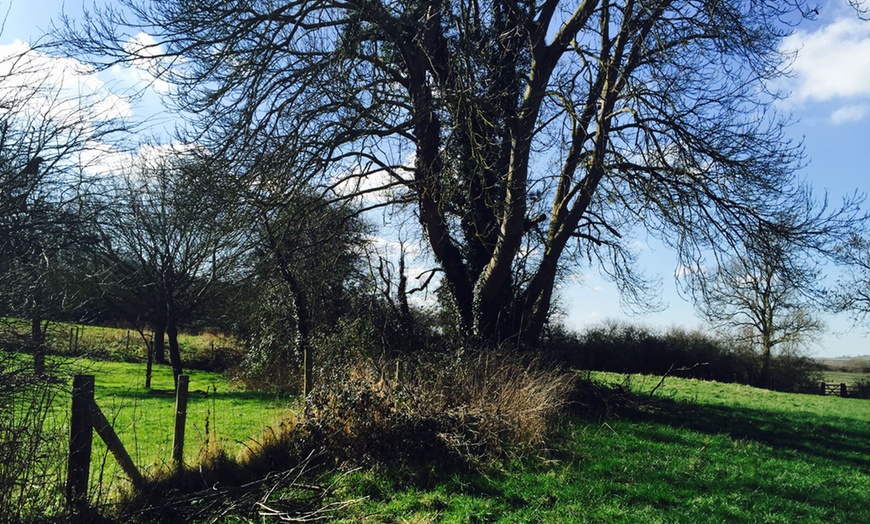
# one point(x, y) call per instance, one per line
point(465, 406)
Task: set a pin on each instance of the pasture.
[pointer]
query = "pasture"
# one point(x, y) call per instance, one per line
point(849, 371)
point(219, 416)
point(696, 452)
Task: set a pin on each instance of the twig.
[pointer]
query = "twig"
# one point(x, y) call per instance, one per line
point(668, 372)
point(662, 381)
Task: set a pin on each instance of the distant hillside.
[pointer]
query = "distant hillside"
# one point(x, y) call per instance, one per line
point(847, 364)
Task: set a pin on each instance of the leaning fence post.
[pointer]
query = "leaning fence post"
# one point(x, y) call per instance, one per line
point(80, 438)
point(180, 417)
point(107, 433)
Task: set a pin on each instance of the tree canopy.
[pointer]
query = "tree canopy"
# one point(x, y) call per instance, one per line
point(526, 137)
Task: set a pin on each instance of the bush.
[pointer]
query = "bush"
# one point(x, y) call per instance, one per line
point(429, 407)
point(862, 388)
point(626, 348)
point(273, 362)
point(794, 372)
point(465, 407)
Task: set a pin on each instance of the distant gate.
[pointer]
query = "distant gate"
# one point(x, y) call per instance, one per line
point(841, 390)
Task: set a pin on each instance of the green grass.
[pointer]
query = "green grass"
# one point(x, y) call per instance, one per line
point(697, 452)
point(217, 415)
point(701, 452)
point(127, 345)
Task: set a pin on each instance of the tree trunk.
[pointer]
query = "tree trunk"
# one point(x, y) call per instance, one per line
point(174, 353)
point(37, 335)
point(160, 343)
point(764, 376)
point(303, 328)
point(37, 341)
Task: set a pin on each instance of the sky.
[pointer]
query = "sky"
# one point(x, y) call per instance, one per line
point(829, 104)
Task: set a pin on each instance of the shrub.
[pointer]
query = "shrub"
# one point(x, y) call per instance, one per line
point(435, 407)
point(627, 348)
point(862, 388)
point(794, 372)
point(30, 449)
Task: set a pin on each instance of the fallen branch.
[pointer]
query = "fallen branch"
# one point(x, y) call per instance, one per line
point(668, 372)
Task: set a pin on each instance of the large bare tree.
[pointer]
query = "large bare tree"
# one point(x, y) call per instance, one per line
point(526, 137)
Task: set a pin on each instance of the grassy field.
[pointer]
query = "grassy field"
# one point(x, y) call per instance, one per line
point(693, 452)
point(847, 371)
point(700, 452)
point(845, 377)
point(117, 344)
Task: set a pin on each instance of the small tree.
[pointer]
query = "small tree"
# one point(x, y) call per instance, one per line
point(310, 248)
point(763, 297)
point(165, 245)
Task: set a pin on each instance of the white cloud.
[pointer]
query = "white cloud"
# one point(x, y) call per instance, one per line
point(60, 89)
point(685, 271)
point(832, 63)
point(106, 159)
point(148, 65)
point(849, 114)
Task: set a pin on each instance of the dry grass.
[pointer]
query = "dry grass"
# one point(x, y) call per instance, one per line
point(466, 406)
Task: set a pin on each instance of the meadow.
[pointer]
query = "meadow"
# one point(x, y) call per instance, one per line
point(220, 416)
point(849, 371)
point(632, 448)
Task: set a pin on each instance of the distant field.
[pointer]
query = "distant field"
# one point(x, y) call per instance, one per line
point(844, 377)
point(847, 371)
point(200, 350)
point(852, 364)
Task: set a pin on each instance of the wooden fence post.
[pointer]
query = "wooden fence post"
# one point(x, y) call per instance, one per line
point(107, 433)
point(80, 438)
point(824, 389)
point(843, 391)
point(149, 366)
point(180, 417)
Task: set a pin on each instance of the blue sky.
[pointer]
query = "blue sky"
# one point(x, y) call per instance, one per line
point(830, 104)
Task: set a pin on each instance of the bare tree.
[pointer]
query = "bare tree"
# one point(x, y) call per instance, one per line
point(527, 138)
point(165, 245)
point(765, 298)
point(852, 292)
point(47, 131)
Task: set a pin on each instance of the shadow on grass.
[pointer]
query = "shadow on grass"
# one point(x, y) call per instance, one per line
point(236, 396)
point(840, 440)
